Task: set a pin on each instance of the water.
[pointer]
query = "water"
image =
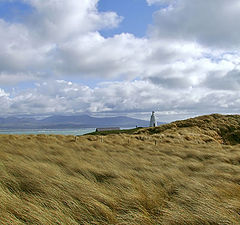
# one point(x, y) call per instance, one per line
point(50, 131)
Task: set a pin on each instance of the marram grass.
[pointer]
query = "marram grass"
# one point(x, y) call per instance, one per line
point(173, 176)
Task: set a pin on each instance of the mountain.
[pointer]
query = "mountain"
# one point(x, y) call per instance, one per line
point(66, 122)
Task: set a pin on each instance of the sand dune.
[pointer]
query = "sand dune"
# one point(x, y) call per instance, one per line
point(186, 172)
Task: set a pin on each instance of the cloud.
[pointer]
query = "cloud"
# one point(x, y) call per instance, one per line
point(3, 93)
point(190, 71)
point(5, 102)
point(219, 81)
point(18, 52)
point(210, 23)
point(61, 38)
point(9, 79)
point(51, 97)
point(66, 98)
point(37, 43)
point(151, 2)
point(58, 20)
point(171, 82)
point(187, 64)
point(91, 54)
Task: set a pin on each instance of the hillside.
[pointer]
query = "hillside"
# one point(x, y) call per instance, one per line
point(186, 172)
point(225, 129)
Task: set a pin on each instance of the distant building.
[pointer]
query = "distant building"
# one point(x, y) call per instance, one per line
point(153, 122)
point(107, 129)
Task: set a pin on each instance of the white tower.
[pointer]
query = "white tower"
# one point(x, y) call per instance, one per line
point(153, 122)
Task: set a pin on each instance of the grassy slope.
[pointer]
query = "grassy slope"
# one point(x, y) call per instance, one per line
point(179, 174)
point(225, 129)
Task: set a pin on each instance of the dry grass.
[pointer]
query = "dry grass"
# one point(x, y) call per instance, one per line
point(225, 129)
point(176, 176)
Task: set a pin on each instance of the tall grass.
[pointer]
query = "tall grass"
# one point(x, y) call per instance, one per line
point(167, 179)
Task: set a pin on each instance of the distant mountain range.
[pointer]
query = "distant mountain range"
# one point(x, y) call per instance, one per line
point(66, 122)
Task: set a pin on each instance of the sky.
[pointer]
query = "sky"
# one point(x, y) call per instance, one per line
point(179, 58)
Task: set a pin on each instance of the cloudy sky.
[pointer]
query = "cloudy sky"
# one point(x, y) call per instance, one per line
point(119, 57)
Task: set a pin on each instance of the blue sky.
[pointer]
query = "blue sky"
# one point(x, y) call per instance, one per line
point(128, 57)
point(137, 15)
point(14, 11)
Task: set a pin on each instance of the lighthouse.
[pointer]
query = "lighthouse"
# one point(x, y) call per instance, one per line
point(153, 122)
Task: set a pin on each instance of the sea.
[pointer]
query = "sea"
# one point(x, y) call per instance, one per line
point(81, 131)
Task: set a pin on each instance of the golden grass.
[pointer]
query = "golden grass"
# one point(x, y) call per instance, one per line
point(169, 178)
point(224, 129)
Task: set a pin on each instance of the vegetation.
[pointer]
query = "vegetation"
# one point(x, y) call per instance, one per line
point(223, 128)
point(186, 172)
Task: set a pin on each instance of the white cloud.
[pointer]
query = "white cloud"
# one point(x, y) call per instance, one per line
point(3, 93)
point(121, 55)
point(57, 20)
point(18, 52)
point(63, 97)
point(151, 2)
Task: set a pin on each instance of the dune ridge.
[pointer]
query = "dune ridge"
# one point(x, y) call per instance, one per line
point(224, 129)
